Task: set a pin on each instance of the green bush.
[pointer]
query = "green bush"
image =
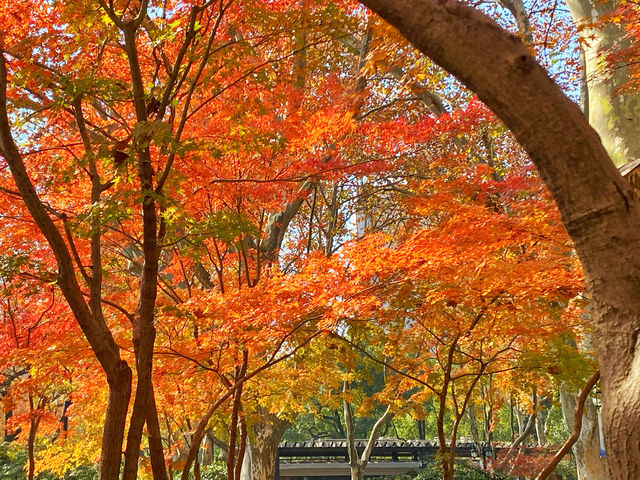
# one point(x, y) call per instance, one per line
point(11, 462)
point(463, 471)
point(215, 471)
point(12, 466)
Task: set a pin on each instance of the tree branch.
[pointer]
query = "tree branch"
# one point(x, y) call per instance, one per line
point(577, 427)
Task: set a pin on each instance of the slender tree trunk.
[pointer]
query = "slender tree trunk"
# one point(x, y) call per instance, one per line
point(540, 433)
point(511, 419)
point(354, 464)
point(520, 420)
point(473, 426)
point(114, 423)
point(447, 474)
point(242, 448)
point(196, 437)
point(357, 464)
point(34, 422)
point(144, 411)
point(144, 333)
point(134, 435)
point(233, 434)
point(156, 450)
point(524, 433)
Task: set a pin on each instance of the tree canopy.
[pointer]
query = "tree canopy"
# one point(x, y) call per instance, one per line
point(221, 216)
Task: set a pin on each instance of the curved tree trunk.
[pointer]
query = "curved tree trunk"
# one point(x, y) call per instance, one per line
point(597, 205)
point(616, 118)
point(576, 429)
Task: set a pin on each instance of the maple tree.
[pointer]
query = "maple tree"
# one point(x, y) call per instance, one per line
point(448, 317)
point(508, 88)
point(174, 156)
point(108, 135)
point(228, 230)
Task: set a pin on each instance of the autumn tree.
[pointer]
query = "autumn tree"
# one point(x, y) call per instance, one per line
point(597, 207)
point(126, 150)
point(128, 135)
point(464, 295)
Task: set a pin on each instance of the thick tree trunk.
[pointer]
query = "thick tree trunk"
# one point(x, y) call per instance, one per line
point(597, 205)
point(615, 117)
point(617, 123)
point(262, 448)
point(586, 449)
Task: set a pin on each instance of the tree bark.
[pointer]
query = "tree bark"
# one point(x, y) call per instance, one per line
point(616, 117)
point(156, 450)
point(520, 15)
point(473, 426)
point(358, 463)
point(262, 448)
point(34, 422)
point(597, 205)
point(114, 423)
point(514, 449)
point(519, 420)
point(617, 126)
point(540, 433)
